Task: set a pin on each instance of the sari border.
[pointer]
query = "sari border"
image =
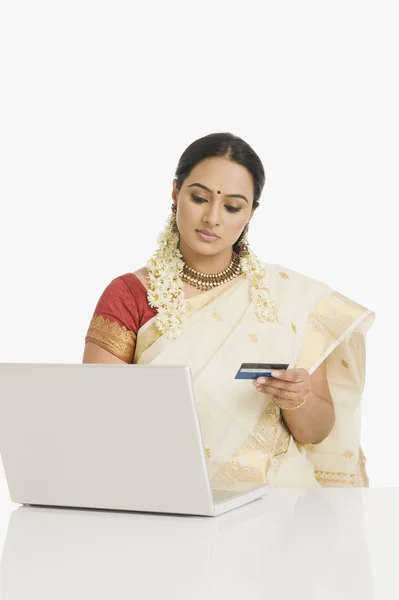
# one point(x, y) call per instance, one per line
point(146, 325)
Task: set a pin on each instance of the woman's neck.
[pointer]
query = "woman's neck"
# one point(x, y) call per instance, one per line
point(206, 264)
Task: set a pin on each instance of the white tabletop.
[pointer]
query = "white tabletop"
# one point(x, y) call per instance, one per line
point(321, 544)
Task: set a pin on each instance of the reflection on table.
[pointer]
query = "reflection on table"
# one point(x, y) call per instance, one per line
point(292, 543)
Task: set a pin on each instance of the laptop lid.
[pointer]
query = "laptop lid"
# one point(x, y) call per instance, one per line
point(103, 436)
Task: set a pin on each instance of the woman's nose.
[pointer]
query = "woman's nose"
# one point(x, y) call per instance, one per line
point(213, 216)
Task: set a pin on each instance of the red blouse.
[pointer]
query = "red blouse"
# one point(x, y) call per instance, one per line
point(120, 312)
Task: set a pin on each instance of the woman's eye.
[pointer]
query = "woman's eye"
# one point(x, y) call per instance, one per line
point(199, 200)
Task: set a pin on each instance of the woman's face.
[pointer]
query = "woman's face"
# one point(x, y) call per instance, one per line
point(208, 200)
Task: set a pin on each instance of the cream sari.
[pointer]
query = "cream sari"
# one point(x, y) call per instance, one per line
point(246, 440)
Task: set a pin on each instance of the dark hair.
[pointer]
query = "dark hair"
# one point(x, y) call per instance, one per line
point(229, 146)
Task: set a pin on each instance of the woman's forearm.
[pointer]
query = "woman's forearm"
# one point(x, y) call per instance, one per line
point(312, 422)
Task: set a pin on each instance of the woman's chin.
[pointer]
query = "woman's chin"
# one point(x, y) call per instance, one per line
point(198, 246)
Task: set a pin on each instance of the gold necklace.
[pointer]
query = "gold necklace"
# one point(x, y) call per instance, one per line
point(205, 281)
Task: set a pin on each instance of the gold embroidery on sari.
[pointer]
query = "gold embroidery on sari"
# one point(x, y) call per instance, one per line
point(348, 454)
point(331, 478)
point(293, 326)
point(263, 435)
point(112, 337)
point(253, 337)
point(284, 275)
point(145, 340)
point(363, 478)
point(234, 471)
point(216, 316)
point(344, 364)
point(262, 439)
point(283, 441)
point(208, 452)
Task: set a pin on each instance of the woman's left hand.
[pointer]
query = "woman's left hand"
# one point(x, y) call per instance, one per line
point(289, 387)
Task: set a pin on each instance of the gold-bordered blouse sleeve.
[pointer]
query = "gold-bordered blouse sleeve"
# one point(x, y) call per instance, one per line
point(113, 325)
point(113, 337)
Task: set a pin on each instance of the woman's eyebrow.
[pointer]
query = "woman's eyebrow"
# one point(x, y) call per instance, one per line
point(211, 192)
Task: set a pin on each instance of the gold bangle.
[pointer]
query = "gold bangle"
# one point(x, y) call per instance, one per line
point(292, 407)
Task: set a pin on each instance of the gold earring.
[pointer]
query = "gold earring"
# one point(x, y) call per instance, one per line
point(243, 244)
point(173, 217)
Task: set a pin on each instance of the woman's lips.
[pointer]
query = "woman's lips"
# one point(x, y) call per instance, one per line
point(207, 237)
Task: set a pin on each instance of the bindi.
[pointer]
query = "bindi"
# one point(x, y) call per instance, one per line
point(218, 192)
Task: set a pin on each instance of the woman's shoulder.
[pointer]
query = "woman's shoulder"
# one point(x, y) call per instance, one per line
point(121, 310)
point(286, 273)
point(141, 276)
point(293, 281)
point(133, 283)
point(125, 297)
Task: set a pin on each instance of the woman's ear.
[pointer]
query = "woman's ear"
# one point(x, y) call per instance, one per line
point(175, 191)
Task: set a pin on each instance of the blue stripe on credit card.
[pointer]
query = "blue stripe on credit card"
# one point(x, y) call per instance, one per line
point(254, 370)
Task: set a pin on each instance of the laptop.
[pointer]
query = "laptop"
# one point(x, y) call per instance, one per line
point(107, 436)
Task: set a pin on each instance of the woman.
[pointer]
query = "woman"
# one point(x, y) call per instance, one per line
point(205, 300)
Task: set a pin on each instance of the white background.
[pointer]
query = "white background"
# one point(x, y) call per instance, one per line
point(100, 99)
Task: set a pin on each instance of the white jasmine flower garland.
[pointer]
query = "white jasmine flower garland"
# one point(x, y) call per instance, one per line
point(166, 286)
point(265, 308)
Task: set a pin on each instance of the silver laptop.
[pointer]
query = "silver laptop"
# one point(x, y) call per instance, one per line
point(119, 437)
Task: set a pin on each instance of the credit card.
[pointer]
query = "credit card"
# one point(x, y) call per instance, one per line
point(255, 370)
